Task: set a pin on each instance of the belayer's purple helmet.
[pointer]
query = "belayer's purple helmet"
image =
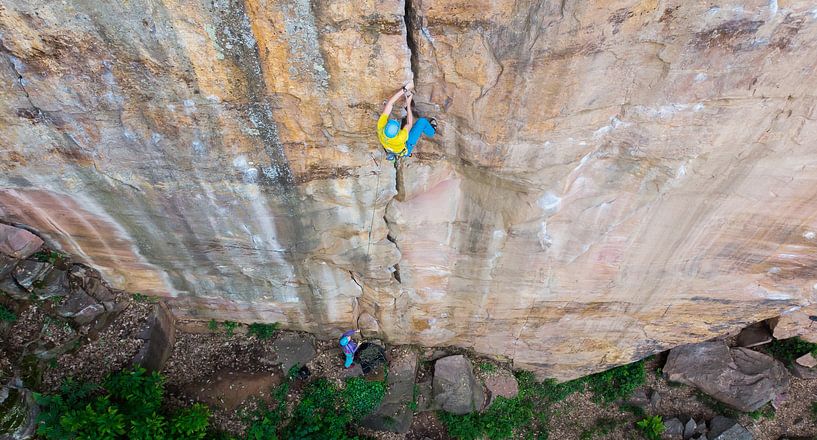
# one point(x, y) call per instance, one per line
point(392, 128)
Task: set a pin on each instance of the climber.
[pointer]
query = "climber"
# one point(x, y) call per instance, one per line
point(349, 347)
point(401, 141)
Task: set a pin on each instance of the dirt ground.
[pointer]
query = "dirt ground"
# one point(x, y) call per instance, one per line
point(233, 373)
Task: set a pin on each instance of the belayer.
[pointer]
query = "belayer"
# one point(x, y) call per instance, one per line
point(397, 140)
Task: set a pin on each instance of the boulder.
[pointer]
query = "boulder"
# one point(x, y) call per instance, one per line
point(796, 323)
point(454, 386)
point(802, 372)
point(754, 335)
point(724, 428)
point(12, 289)
point(639, 398)
point(18, 411)
point(655, 399)
point(55, 283)
point(807, 360)
point(80, 307)
point(395, 413)
point(7, 264)
point(674, 429)
point(741, 378)
point(159, 334)
point(17, 242)
point(29, 272)
point(292, 349)
point(689, 428)
point(501, 384)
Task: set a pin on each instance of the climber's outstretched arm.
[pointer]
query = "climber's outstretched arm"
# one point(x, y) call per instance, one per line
point(390, 104)
point(410, 115)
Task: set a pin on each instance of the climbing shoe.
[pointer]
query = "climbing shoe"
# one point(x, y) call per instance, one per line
point(433, 123)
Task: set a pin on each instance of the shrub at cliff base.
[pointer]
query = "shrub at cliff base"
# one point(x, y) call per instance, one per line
point(527, 414)
point(128, 405)
point(324, 411)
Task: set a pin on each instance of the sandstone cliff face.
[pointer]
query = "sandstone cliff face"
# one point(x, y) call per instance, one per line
point(610, 178)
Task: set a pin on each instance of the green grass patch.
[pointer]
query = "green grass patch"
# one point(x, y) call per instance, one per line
point(6, 315)
point(212, 325)
point(47, 256)
point(618, 383)
point(530, 410)
point(652, 427)
point(263, 331)
point(142, 298)
point(527, 412)
point(128, 405)
point(788, 350)
point(487, 367)
point(766, 412)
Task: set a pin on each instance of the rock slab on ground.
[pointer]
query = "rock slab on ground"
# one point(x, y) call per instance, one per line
point(395, 413)
point(159, 335)
point(455, 388)
point(293, 349)
point(807, 360)
point(501, 384)
point(739, 377)
point(724, 428)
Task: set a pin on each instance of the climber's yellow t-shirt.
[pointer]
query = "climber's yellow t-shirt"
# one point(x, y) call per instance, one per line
point(396, 144)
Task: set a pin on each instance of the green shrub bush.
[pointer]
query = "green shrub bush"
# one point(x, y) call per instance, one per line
point(128, 405)
point(617, 383)
point(788, 350)
point(6, 314)
point(652, 427)
point(324, 411)
point(263, 331)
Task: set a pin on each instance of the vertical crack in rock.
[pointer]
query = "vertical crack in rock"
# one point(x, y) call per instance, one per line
point(39, 115)
point(409, 19)
point(409, 22)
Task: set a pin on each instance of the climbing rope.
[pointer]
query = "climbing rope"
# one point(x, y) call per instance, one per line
point(374, 204)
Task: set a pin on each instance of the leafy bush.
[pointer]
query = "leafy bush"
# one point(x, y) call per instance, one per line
point(212, 325)
point(362, 396)
point(229, 327)
point(263, 331)
point(652, 427)
point(6, 314)
point(47, 256)
point(323, 412)
point(126, 406)
point(788, 350)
